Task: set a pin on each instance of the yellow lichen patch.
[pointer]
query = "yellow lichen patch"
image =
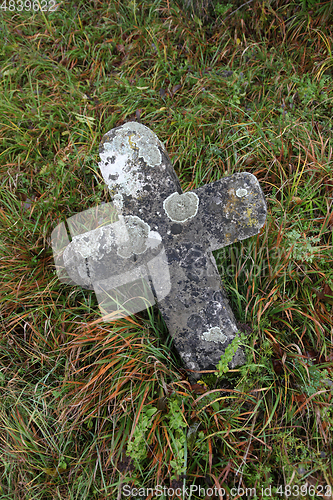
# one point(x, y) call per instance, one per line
point(227, 239)
point(232, 203)
point(131, 143)
point(251, 221)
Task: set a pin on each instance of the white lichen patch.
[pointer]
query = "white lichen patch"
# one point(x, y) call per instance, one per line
point(214, 334)
point(147, 143)
point(118, 173)
point(140, 237)
point(93, 244)
point(154, 239)
point(181, 207)
point(120, 231)
point(241, 192)
point(119, 160)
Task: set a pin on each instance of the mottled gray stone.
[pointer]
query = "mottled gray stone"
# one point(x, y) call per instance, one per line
point(161, 241)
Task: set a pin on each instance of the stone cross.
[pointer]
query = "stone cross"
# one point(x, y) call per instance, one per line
point(155, 243)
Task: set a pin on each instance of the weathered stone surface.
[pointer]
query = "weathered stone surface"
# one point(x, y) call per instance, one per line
point(156, 243)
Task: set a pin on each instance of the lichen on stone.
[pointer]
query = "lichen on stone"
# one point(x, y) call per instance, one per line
point(214, 334)
point(181, 207)
point(138, 232)
point(241, 192)
point(140, 237)
point(120, 156)
point(93, 244)
point(154, 239)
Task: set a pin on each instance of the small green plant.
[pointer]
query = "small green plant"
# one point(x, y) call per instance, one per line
point(177, 434)
point(137, 448)
point(221, 8)
point(312, 378)
point(237, 90)
point(200, 446)
point(308, 89)
point(302, 249)
point(223, 365)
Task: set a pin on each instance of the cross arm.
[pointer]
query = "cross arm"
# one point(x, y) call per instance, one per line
point(231, 209)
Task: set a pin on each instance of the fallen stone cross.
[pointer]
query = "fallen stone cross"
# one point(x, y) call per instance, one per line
point(154, 243)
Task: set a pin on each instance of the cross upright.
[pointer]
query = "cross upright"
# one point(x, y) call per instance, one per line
point(155, 243)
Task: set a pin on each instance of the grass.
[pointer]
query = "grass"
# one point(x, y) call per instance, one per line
point(88, 409)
